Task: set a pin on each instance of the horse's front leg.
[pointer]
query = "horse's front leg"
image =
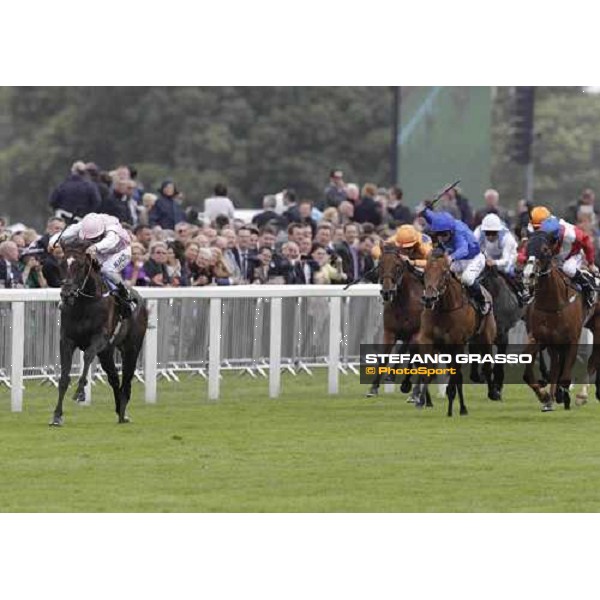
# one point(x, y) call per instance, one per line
point(568, 358)
point(389, 341)
point(67, 347)
point(529, 377)
point(98, 343)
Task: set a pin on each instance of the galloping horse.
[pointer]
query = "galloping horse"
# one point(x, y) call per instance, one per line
point(506, 313)
point(449, 322)
point(401, 291)
point(554, 321)
point(90, 321)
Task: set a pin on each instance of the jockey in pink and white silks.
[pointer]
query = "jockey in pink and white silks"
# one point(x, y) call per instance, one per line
point(110, 246)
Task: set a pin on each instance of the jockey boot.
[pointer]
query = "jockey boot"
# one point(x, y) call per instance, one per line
point(121, 293)
point(588, 286)
point(477, 296)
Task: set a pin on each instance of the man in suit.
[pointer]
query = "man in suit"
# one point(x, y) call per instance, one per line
point(10, 271)
point(348, 251)
point(301, 271)
point(246, 253)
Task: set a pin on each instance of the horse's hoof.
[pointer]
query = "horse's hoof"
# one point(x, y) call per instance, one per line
point(464, 411)
point(124, 419)
point(495, 395)
point(429, 404)
point(581, 399)
point(79, 397)
point(548, 407)
point(405, 387)
point(56, 422)
point(371, 394)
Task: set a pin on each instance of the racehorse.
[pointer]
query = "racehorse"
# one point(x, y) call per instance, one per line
point(401, 291)
point(554, 321)
point(450, 321)
point(90, 321)
point(506, 314)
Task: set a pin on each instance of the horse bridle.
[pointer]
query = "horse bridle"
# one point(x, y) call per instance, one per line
point(429, 301)
point(79, 291)
point(387, 295)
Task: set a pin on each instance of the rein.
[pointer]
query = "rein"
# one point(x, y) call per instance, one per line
point(565, 282)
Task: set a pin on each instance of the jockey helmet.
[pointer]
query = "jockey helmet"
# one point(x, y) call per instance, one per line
point(551, 226)
point(538, 215)
point(407, 236)
point(442, 222)
point(92, 226)
point(491, 222)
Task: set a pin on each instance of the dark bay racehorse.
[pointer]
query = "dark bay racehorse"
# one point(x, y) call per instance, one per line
point(449, 322)
point(401, 291)
point(554, 321)
point(507, 313)
point(90, 321)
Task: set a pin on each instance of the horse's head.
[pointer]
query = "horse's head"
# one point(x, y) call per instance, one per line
point(391, 270)
point(437, 276)
point(539, 257)
point(76, 270)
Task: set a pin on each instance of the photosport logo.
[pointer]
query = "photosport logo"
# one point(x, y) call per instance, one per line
point(377, 363)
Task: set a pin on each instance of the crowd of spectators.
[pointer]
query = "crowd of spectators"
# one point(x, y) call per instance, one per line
point(326, 240)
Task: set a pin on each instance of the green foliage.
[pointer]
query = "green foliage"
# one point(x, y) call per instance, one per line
point(257, 140)
point(566, 150)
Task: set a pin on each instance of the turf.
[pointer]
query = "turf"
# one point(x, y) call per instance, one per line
point(305, 452)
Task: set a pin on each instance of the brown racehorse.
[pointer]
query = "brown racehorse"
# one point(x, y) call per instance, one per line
point(401, 291)
point(554, 321)
point(450, 321)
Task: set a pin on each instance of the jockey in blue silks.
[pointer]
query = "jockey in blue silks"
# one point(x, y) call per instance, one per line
point(462, 249)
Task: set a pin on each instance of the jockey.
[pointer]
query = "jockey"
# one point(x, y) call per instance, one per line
point(110, 247)
point(538, 215)
point(413, 245)
point(463, 251)
point(571, 245)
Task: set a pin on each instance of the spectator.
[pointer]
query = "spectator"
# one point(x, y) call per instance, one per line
point(305, 247)
point(463, 205)
point(10, 273)
point(143, 235)
point(266, 271)
point(291, 214)
point(585, 205)
point(365, 255)
point(173, 266)
point(348, 252)
point(93, 173)
point(300, 271)
point(335, 192)
point(76, 196)
point(189, 260)
point(305, 214)
point(51, 266)
point(166, 210)
point(118, 204)
point(148, 202)
point(346, 212)
point(492, 205)
point(220, 268)
point(219, 204)
point(53, 225)
point(247, 253)
point(398, 212)
point(331, 215)
point(32, 275)
point(183, 232)
point(324, 237)
point(156, 265)
point(202, 272)
point(268, 216)
point(329, 267)
point(367, 210)
point(134, 273)
point(338, 236)
point(522, 219)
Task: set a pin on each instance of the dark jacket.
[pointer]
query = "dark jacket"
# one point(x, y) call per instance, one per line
point(12, 279)
point(153, 268)
point(401, 215)
point(266, 217)
point(117, 207)
point(166, 212)
point(333, 197)
point(76, 195)
point(51, 271)
point(302, 272)
point(466, 212)
point(345, 253)
point(367, 211)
